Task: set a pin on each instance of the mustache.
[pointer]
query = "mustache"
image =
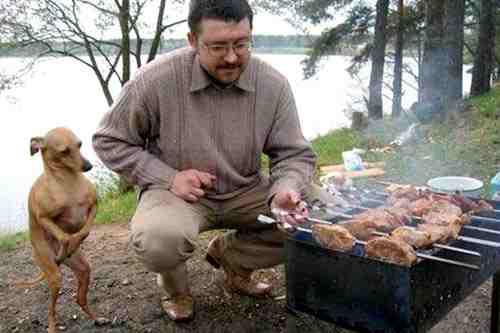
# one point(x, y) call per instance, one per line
point(228, 67)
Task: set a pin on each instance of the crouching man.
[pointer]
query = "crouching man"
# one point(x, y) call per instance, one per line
point(189, 130)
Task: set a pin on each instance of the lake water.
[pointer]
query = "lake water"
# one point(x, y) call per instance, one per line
point(62, 92)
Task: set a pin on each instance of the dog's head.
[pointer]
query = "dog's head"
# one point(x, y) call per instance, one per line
point(61, 150)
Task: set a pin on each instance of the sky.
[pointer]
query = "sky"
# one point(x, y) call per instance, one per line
point(265, 23)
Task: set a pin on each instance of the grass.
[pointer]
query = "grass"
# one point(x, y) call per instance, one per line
point(467, 144)
point(9, 242)
point(116, 207)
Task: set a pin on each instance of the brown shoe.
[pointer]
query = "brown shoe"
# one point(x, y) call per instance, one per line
point(239, 282)
point(179, 308)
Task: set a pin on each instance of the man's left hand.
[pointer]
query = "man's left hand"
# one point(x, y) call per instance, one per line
point(288, 208)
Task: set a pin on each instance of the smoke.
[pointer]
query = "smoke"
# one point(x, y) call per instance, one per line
point(431, 151)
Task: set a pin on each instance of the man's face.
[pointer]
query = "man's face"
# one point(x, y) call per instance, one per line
point(223, 48)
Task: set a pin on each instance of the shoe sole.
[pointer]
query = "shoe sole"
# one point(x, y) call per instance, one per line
point(212, 261)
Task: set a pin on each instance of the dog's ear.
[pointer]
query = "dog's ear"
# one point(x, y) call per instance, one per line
point(36, 144)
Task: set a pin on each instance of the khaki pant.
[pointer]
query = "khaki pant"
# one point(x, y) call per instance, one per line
point(164, 230)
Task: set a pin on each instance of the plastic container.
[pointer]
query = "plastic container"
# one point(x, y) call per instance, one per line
point(468, 186)
point(352, 161)
point(495, 187)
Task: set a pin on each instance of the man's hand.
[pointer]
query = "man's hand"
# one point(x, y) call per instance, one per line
point(189, 184)
point(288, 208)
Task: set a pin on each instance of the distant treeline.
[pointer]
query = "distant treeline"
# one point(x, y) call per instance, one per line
point(289, 44)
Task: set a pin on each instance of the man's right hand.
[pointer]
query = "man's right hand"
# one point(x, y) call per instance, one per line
point(189, 184)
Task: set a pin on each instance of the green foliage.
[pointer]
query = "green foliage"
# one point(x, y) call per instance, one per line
point(116, 207)
point(332, 40)
point(9, 242)
point(488, 104)
point(466, 144)
point(329, 147)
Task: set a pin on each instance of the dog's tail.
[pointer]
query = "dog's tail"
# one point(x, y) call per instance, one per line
point(29, 284)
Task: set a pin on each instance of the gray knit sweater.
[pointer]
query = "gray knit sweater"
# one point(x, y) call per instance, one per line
point(171, 117)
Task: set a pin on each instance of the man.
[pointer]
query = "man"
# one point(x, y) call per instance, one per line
point(189, 129)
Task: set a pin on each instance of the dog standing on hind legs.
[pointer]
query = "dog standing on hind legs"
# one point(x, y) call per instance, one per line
point(62, 207)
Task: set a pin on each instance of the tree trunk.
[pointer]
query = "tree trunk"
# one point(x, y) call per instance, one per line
point(375, 106)
point(454, 46)
point(420, 65)
point(433, 59)
point(483, 59)
point(155, 44)
point(398, 63)
point(125, 44)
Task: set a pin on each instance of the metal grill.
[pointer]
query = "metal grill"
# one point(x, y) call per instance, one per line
point(369, 295)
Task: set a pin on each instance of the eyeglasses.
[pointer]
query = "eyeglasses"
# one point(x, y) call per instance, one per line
point(221, 50)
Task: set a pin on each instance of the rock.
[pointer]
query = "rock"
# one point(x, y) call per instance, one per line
point(74, 317)
point(126, 282)
point(3, 308)
point(110, 284)
point(466, 320)
point(102, 321)
point(61, 328)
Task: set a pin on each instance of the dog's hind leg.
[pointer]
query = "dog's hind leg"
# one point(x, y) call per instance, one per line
point(44, 256)
point(81, 269)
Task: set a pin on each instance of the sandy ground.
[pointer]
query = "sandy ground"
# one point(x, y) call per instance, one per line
point(124, 292)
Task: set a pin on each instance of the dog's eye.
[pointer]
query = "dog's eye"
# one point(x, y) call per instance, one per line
point(80, 144)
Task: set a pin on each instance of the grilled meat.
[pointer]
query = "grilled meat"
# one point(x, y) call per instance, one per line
point(409, 192)
point(391, 250)
point(333, 237)
point(445, 218)
point(386, 219)
point(361, 229)
point(422, 197)
point(441, 233)
point(468, 205)
point(377, 219)
point(418, 239)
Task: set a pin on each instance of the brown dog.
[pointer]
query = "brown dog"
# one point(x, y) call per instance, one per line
point(62, 208)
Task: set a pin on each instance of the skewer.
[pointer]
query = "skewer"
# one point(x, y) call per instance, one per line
point(268, 220)
point(469, 227)
point(436, 245)
point(348, 216)
point(384, 194)
point(440, 246)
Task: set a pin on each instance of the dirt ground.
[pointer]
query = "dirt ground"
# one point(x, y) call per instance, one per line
point(124, 292)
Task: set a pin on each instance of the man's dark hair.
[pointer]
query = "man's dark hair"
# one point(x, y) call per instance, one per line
point(227, 10)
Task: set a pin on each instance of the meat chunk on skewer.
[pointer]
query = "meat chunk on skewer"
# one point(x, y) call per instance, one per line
point(468, 205)
point(418, 239)
point(361, 229)
point(333, 237)
point(391, 250)
point(386, 218)
point(445, 218)
point(409, 192)
point(423, 197)
point(441, 233)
